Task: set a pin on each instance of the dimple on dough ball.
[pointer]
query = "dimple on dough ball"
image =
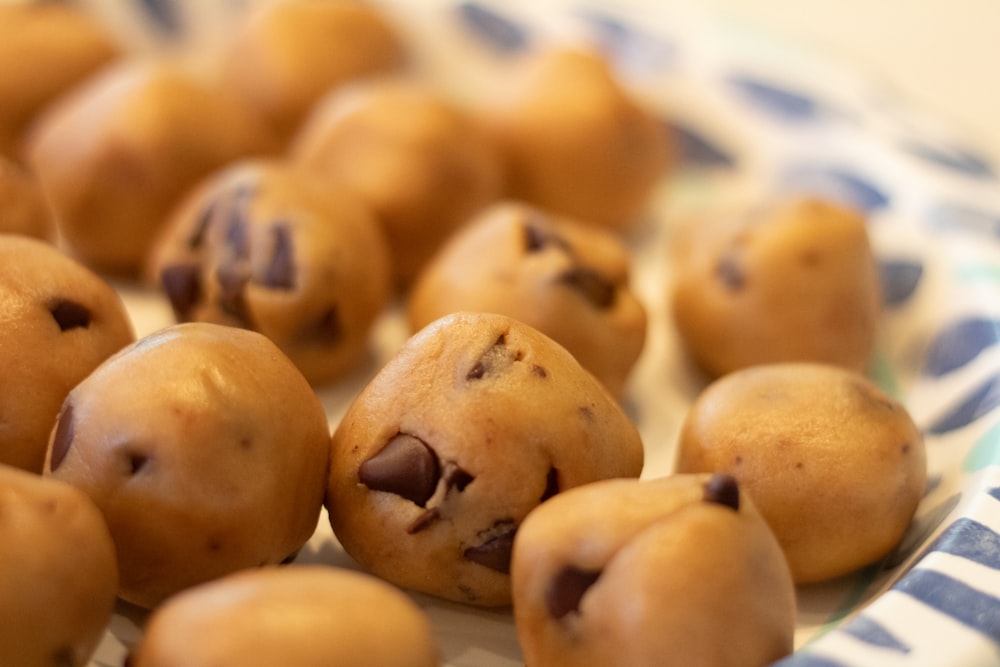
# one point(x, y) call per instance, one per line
point(834, 465)
point(291, 615)
point(59, 322)
point(23, 209)
point(566, 279)
point(205, 449)
point(265, 246)
point(58, 577)
point(476, 421)
point(794, 281)
point(418, 160)
point(116, 155)
point(45, 49)
point(574, 140)
point(679, 570)
point(288, 54)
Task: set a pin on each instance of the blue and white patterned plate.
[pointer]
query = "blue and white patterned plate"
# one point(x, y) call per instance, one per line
point(753, 117)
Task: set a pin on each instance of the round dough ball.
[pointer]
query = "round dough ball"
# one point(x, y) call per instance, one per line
point(58, 576)
point(566, 279)
point(23, 209)
point(287, 54)
point(205, 449)
point(46, 48)
point(476, 421)
point(116, 155)
point(626, 572)
point(423, 172)
point(341, 619)
point(265, 246)
point(834, 465)
point(574, 140)
point(60, 321)
point(796, 281)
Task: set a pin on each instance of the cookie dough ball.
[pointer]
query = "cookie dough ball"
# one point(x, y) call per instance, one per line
point(287, 54)
point(566, 279)
point(45, 49)
point(476, 421)
point(623, 572)
point(795, 281)
point(116, 155)
point(60, 321)
point(342, 618)
point(23, 209)
point(265, 246)
point(58, 576)
point(573, 139)
point(205, 449)
point(423, 171)
point(835, 466)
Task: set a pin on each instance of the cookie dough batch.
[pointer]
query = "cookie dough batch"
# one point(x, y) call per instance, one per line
point(58, 572)
point(793, 280)
point(266, 246)
point(60, 321)
point(23, 209)
point(475, 422)
point(679, 570)
point(565, 278)
point(834, 464)
point(206, 451)
point(243, 619)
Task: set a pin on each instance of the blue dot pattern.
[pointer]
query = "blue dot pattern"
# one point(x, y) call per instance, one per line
point(900, 279)
point(960, 343)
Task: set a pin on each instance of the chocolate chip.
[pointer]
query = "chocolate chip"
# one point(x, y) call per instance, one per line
point(493, 360)
point(290, 558)
point(232, 300)
point(63, 437)
point(551, 484)
point(539, 371)
point(567, 589)
point(590, 284)
point(730, 271)
point(536, 239)
point(455, 477)
point(495, 552)
point(405, 466)
point(281, 270)
point(70, 314)
point(182, 285)
point(135, 461)
point(237, 237)
point(423, 521)
point(722, 489)
point(201, 226)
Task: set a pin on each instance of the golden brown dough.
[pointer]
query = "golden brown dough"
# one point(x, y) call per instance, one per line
point(117, 154)
point(23, 209)
point(58, 575)
point(60, 321)
point(206, 451)
point(834, 465)
point(679, 570)
point(291, 615)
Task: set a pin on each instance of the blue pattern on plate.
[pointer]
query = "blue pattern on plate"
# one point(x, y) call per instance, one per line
point(695, 149)
point(497, 30)
point(970, 539)
point(900, 279)
point(951, 217)
point(839, 184)
point(806, 659)
point(777, 101)
point(959, 343)
point(972, 407)
point(955, 159)
point(874, 633)
point(970, 606)
point(626, 44)
point(164, 16)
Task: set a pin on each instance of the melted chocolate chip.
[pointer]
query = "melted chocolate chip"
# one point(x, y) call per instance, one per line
point(182, 285)
point(63, 437)
point(724, 490)
point(70, 315)
point(232, 299)
point(495, 552)
point(237, 237)
point(493, 360)
point(135, 461)
point(280, 272)
point(200, 230)
point(406, 466)
point(551, 485)
point(455, 477)
point(590, 284)
point(423, 521)
point(730, 271)
point(536, 239)
point(567, 589)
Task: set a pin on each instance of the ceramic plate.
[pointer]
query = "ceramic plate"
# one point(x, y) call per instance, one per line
point(752, 118)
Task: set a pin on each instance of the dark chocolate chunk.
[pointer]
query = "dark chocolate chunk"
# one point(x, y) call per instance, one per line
point(232, 300)
point(495, 552)
point(197, 237)
point(455, 477)
point(136, 461)
point(63, 437)
point(405, 466)
point(493, 360)
point(551, 484)
point(537, 238)
point(724, 490)
point(567, 589)
point(590, 284)
point(182, 285)
point(281, 270)
point(70, 314)
point(730, 271)
point(237, 237)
